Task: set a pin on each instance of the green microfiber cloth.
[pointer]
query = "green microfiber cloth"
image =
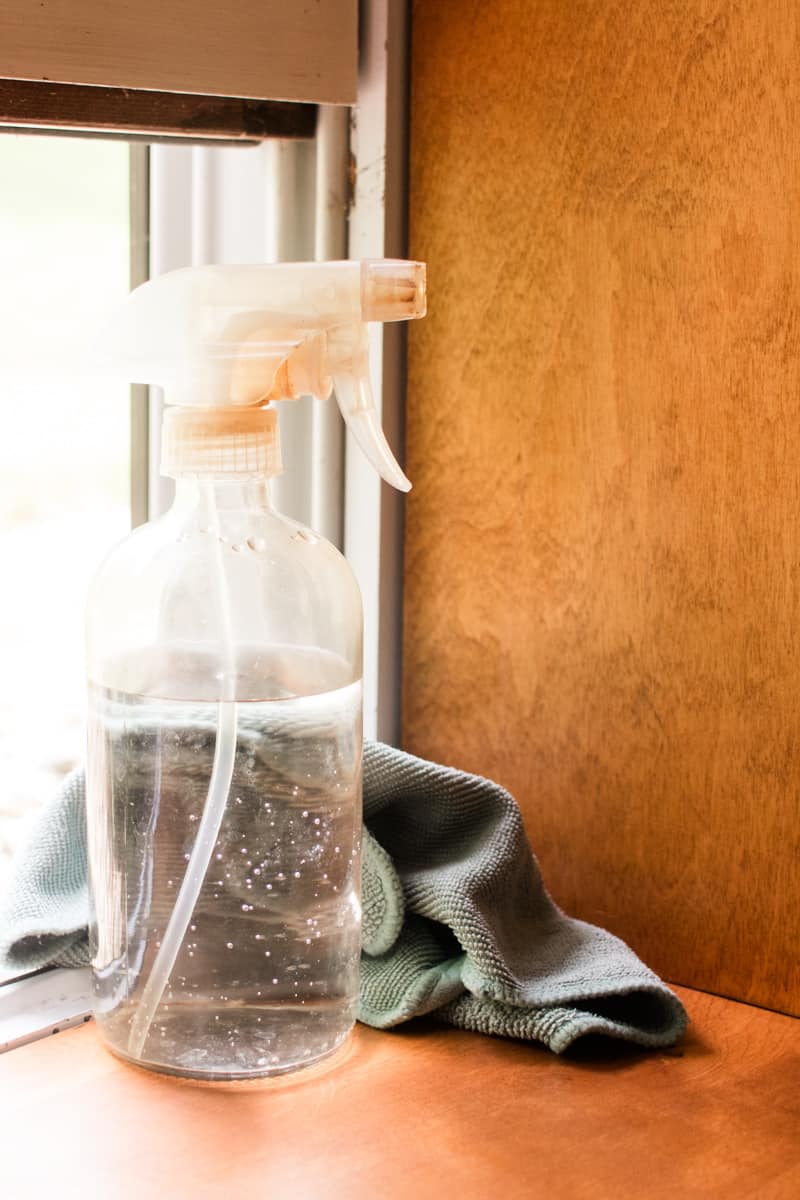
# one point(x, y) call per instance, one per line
point(456, 920)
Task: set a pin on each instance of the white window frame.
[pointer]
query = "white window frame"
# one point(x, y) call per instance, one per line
point(337, 492)
point(373, 514)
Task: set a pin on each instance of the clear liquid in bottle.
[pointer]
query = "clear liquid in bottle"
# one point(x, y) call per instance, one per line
point(266, 979)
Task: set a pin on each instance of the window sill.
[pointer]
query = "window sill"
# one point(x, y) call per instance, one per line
point(419, 1111)
point(37, 1005)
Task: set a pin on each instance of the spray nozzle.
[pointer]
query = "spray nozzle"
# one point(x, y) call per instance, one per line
point(241, 337)
point(392, 290)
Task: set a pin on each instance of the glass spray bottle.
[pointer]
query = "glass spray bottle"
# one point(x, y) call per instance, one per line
point(224, 641)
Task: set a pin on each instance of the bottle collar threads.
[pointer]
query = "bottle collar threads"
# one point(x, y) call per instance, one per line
point(220, 443)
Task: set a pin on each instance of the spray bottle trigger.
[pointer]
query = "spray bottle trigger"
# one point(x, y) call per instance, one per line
point(357, 405)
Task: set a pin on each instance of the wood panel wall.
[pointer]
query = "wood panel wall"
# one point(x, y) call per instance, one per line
point(602, 605)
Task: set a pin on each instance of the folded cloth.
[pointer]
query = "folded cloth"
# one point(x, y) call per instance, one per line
point(456, 919)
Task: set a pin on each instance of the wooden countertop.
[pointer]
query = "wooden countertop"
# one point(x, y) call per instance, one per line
point(420, 1113)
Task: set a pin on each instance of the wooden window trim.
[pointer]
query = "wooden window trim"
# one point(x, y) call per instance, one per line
point(33, 107)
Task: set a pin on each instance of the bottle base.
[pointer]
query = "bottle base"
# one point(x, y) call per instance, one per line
point(262, 1043)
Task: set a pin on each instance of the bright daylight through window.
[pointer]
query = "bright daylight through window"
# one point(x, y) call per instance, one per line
point(65, 449)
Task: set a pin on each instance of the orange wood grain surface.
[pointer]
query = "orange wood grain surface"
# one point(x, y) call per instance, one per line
point(602, 596)
point(419, 1114)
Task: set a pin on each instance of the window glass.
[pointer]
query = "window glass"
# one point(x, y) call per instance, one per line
point(64, 447)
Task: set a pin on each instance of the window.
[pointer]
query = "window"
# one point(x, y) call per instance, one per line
point(65, 256)
point(81, 221)
point(286, 200)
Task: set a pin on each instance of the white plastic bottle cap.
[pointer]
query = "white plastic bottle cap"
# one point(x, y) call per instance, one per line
point(220, 443)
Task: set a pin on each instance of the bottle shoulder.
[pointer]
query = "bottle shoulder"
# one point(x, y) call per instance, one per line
point(265, 544)
point(256, 580)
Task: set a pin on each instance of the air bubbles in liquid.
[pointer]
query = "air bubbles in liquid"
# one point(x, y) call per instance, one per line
point(319, 957)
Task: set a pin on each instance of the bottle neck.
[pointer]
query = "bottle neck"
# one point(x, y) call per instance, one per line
point(251, 495)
